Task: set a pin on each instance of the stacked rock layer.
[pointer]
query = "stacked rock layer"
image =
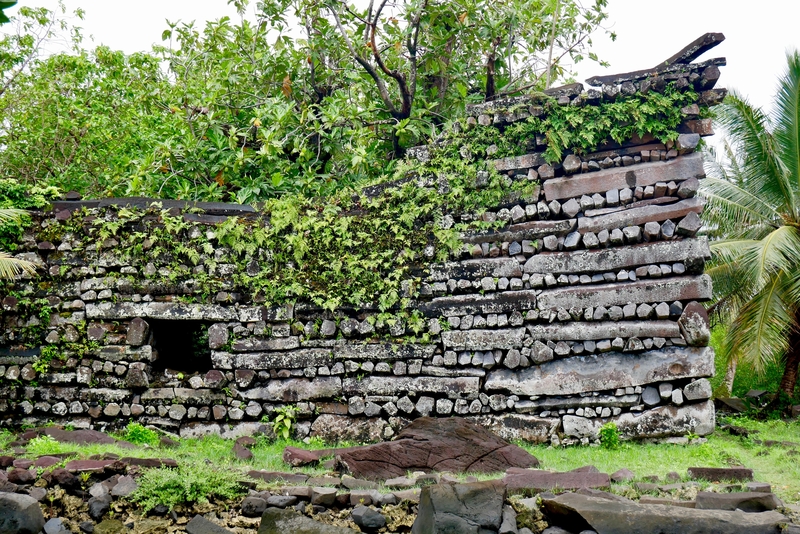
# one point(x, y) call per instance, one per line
point(582, 309)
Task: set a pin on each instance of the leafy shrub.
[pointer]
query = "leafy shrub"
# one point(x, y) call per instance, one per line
point(609, 436)
point(139, 435)
point(195, 484)
point(284, 421)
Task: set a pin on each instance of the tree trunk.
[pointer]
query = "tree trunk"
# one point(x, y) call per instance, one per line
point(790, 372)
point(730, 375)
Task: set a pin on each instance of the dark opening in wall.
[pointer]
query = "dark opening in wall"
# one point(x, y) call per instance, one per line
point(181, 345)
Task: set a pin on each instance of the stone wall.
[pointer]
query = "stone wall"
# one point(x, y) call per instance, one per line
point(582, 309)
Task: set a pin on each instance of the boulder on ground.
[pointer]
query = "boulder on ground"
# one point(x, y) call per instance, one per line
point(431, 444)
point(278, 521)
point(20, 514)
point(460, 508)
point(201, 525)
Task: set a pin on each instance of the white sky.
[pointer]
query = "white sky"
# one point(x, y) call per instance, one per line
point(758, 33)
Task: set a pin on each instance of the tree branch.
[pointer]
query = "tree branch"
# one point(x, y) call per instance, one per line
point(364, 63)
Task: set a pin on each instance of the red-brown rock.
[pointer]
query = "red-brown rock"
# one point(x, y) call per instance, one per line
point(538, 481)
point(432, 444)
point(92, 466)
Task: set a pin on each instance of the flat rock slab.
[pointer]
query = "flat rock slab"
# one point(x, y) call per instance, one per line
point(431, 444)
point(91, 466)
point(576, 513)
point(520, 480)
point(278, 521)
point(149, 462)
point(272, 476)
point(83, 437)
point(721, 474)
point(746, 501)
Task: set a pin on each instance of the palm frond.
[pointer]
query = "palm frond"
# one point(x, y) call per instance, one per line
point(787, 126)
point(11, 214)
point(749, 133)
point(758, 335)
point(735, 209)
point(11, 267)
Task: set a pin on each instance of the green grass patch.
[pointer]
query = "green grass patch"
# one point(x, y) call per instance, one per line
point(774, 464)
point(208, 468)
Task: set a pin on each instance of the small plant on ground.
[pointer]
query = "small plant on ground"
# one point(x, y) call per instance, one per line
point(140, 435)
point(195, 484)
point(609, 436)
point(284, 421)
point(43, 445)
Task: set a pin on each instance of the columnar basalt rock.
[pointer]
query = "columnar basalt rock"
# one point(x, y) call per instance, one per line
point(580, 306)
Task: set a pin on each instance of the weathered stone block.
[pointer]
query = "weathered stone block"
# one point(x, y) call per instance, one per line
point(382, 351)
point(505, 302)
point(603, 372)
point(475, 269)
point(297, 389)
point(396, 385)
point(619, 178)
point(640, 215)
point(138, 332)
point(254, 344)
point(483, 339)
point(578, 331)
point(620, 294)
point(161, 310)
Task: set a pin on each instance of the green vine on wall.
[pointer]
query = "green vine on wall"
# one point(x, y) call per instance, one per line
point(354, 249)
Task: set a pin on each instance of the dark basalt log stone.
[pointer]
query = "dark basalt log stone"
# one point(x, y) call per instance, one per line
point(431, 444)
point(580, 512)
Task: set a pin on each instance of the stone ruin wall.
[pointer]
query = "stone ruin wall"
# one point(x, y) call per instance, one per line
point(582, 310)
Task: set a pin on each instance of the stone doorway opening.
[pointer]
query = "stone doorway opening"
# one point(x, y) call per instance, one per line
point(182, 346)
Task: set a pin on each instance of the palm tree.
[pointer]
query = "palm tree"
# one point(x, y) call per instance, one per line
point(754, 205)
point(11, 267)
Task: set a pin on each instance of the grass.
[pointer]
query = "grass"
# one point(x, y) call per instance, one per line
point(770, 464)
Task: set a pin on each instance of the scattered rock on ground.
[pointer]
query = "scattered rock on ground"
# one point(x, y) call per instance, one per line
point(580, 512)
point(453, 445)
point(277, 521)
point(201, 525)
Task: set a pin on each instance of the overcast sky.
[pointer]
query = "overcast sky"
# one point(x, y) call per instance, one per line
point(758, 33)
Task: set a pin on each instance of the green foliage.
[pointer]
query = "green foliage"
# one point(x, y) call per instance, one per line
point(17, 196)
point(284, 421)
point(187, 484)
point(43, 445)
point(609, 436)
point(47, 354)
point(249, 111)
point(138, 434)
point(753, 205)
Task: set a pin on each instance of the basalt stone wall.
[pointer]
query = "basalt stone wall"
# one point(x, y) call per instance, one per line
point(583, 308)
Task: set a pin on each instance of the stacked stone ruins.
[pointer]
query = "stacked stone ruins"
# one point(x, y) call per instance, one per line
point(583, 309)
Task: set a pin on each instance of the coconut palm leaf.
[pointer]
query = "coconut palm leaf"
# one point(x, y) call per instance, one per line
point(787, 128)
point(753, 193)
point(759, 334)
point(11, 267)
point(749, 132)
